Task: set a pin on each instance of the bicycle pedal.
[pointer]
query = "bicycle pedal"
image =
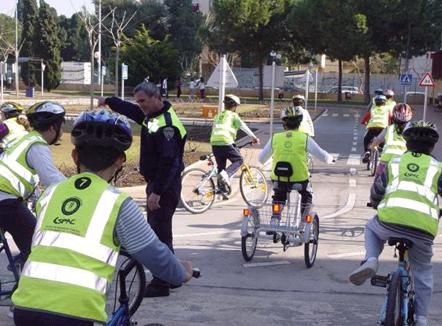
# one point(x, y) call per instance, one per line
point(379, 280)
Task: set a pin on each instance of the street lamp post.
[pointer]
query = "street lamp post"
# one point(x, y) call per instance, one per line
point(275, 56)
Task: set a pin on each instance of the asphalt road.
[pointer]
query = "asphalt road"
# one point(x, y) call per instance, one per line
point(276, 288)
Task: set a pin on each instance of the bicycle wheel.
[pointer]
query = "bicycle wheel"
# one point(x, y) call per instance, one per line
point(198, 191)
point(249, 242)
point(253, 186)
point(311, 247)
point(394, 297)
point(374, 160)
point(135, 284)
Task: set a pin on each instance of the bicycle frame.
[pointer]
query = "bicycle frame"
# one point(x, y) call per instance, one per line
point(405, 284)
point(12, 263)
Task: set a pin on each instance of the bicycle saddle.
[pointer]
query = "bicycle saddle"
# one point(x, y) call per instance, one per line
point(393, 241)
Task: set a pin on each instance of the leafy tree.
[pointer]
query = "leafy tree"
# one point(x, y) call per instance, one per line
point(184, 25)
point(250, 27)
point(29, 41)
point(337, 34)
point(7, 36)
point(73, 38)
point(148, 57)
point(49, 49)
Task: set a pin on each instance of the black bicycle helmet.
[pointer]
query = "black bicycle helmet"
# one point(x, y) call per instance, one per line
point(298, 100)
point(421, 132)
point(379, 91)
point(11, 109)
point(102, 128)
point(44, 114)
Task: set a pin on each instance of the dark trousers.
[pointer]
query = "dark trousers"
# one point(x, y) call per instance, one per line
point(280, 191)
point(37, 318)
point(18, 220)
point(227, 152)
point(160, 220)
point(369, 135)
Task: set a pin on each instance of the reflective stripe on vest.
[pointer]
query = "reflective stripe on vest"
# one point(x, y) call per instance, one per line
point(224, 130)
point(395, 144)
point(168, 118)
point(16, 176)
point(290, 146)
point(411, 195)
point(73, 249)
point(378, 117)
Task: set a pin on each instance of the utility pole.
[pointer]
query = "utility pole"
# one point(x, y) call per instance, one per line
point(100, 77)
point(16, 50)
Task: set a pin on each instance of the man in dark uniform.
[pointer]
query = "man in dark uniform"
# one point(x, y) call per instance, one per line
point(161, 161)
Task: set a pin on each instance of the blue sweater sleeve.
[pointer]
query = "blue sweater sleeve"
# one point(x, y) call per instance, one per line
point(130, 110)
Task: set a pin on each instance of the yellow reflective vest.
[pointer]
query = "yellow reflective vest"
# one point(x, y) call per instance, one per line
point(73, 255)
point(411, 197)
point(379, 117)
point(290, 146)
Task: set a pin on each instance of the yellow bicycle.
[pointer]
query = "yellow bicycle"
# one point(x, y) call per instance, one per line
point(199, 189)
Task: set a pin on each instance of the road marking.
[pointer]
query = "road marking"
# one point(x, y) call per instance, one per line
point(348, 207)
point(353, 149)
point(325, 115)
point(354, 159)
point(357, 115)
point(352, 182)
point(355, 137)
point(346, 254)
point(270, 263)
point(355, 143)
point(346, 115)
point(335, 114)
point(204, 233)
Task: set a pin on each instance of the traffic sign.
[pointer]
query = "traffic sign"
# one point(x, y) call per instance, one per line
point(124, 71)
point(427, 81)
point(231, 81)
point(406, 79)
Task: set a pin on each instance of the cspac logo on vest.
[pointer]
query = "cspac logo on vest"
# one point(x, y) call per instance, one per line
point(413, 168)
point(69, 207)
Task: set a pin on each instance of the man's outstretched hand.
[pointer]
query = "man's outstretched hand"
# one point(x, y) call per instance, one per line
point(101, 101)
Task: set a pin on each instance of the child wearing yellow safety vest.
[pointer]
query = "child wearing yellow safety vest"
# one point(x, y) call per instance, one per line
point(406, 198)
point(392, 136)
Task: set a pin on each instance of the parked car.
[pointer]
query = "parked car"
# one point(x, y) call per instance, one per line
point(353, 90)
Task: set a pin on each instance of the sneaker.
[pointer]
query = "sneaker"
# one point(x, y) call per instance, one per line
point(367, 270)
point(224, 177)
point(421, 321)
point(366, 157)
point(153, 291)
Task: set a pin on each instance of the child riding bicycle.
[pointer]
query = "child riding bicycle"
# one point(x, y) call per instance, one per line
point(406, 198)
point(82, 224)
point(391, 136)
point(225, 126)
point(292, 146)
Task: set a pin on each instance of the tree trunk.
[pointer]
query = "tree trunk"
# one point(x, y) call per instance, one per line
point(261, 82)
point(367, 79)
point(117, 59)
point(92, 89)
point(339, 81)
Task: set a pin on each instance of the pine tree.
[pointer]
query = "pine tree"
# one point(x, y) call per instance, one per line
point(50, 45)
point(29, 16)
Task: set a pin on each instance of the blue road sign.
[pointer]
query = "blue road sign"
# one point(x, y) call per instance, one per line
point(405, 79)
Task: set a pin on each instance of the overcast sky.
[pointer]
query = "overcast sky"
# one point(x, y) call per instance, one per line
point(63, 7)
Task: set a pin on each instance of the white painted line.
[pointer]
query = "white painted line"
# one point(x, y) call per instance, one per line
point(354, 159)
point(203, 233)
point(348, 207)
point(355, 143)
point(325, 114)
point(353, 171)
point(357, 115)
point(335, 114)
point(352, 182)
point(353, 149)
point(347, 254)
point(355, 137)
point(270, 263)
point(346, 115)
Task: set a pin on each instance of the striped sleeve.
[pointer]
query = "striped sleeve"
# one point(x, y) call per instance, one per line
point(132, 229)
